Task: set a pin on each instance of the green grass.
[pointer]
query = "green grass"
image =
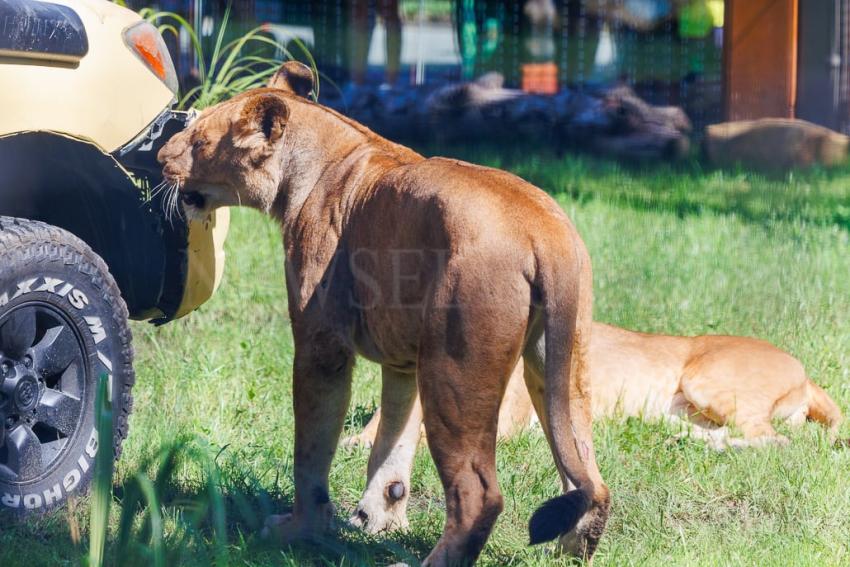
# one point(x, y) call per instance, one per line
point(678, 250)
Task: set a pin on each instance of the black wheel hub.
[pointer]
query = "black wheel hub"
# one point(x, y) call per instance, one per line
point(42, 388)
point(23, 392)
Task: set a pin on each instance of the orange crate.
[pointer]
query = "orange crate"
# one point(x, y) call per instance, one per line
point(540, 78)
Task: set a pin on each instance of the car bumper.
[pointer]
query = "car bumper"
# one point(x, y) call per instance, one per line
point(204, 260)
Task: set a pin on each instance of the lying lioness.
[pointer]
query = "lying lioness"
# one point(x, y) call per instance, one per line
point(443, 272)
point(710, 381)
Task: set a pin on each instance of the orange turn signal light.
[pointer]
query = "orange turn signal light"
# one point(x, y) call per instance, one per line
point(144, 40)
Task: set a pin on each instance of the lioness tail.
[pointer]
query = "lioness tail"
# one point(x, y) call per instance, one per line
point(822, 409)
point(557, 516)
point(566, 321)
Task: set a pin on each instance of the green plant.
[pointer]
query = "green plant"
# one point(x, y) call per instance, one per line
point(102, 483)
point(141, 535)
point(234, 66)
point(141, 529)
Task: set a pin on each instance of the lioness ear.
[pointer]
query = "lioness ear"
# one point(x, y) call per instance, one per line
point(293, 77)
point(266, 113)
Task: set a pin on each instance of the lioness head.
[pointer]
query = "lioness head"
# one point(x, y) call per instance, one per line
point(230, 155)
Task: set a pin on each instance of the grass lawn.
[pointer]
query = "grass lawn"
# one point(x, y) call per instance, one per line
point(682, 251)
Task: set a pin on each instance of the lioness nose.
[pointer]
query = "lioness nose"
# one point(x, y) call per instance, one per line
point(169, 149)
point(163, 153)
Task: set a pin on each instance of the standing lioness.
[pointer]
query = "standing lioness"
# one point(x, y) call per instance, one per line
point(443, 272)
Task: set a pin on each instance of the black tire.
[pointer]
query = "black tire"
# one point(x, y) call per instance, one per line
point(63, 323)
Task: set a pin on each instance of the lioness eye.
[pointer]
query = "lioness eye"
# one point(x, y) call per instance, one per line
point(198, 144)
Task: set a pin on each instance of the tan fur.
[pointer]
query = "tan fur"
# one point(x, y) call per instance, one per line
point(711, 380)
point(430, 267)
point(708, 383)
point(515, 414)
point(722, 380)
point(774, 144)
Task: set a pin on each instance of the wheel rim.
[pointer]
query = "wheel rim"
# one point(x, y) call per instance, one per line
point(42, 389)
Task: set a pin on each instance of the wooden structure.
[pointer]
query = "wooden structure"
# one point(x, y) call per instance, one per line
point(783, 58)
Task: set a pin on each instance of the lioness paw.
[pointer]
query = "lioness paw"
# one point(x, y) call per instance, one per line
point(377, 512)
point(355, 441)
point(288, 528)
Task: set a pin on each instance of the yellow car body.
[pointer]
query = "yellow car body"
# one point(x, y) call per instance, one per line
point(83, 123)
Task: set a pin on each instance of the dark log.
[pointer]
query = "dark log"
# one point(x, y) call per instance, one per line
point(614, 122)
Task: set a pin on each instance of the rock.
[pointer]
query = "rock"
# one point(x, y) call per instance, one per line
point(774, 144)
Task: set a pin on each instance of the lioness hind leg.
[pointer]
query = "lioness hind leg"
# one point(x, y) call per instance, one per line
point(461, 385)
point(460, 406)
point(727, 407)
point(383, 505)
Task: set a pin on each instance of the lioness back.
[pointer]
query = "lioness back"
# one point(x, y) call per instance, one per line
point(451, 206)
point(446, 216)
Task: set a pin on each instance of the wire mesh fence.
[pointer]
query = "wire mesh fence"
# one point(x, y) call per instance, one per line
point(671, 52)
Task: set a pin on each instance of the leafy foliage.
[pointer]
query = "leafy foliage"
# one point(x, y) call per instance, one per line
point(235, 65)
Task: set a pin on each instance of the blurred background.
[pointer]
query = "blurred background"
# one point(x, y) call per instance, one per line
point(717, 60)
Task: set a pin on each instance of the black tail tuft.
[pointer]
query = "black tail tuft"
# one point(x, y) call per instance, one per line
point(557, 516)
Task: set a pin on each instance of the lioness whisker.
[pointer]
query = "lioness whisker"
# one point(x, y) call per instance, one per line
point(171, 201)
point(177, 210)
point(171, 195)
point(157, 189)
point(166, 192)
point(166, 199)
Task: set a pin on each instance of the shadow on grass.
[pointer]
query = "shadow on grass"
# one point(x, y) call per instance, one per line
point(247, 504)
point(48, 540)
point(194, 515)
point(41, 540)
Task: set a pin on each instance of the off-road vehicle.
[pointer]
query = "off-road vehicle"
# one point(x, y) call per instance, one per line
point(86, 96)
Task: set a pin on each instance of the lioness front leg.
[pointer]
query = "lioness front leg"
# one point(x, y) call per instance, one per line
point(384, 503)
point(321, 393)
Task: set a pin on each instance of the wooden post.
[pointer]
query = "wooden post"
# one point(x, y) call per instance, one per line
point(760, 58)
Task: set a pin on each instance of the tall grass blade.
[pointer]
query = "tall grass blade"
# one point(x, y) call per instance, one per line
point(147, 489)
point(102, 483)
point(216, 500)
